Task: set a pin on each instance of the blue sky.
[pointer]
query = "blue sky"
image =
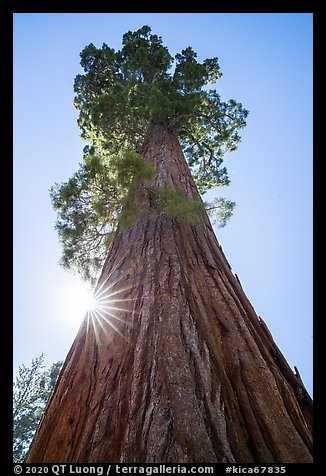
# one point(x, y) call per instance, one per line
point(266, 61)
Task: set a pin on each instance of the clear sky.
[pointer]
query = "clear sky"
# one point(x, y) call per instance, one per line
point(266, 61)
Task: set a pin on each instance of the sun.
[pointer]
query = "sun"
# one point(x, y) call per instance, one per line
point(88, 301)
point(106, 309)
point(76, 301)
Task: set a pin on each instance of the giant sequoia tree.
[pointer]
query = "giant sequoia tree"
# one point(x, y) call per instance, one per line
point(173, 364)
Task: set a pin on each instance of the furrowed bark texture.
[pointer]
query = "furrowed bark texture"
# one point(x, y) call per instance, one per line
point(178, 368)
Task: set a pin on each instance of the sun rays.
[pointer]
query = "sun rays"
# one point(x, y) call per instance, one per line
point(109, 312)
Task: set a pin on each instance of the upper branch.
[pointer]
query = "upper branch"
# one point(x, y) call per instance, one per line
point(175, 119)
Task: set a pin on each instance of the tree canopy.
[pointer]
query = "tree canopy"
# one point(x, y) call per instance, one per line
point(120, 96)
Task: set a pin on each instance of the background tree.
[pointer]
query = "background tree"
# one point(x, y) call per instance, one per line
point(173, 365)
point(32, 389)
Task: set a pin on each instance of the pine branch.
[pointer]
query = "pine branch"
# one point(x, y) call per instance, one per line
point(175, 119)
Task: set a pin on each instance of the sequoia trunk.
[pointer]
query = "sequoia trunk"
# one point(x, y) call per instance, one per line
point(178, 368)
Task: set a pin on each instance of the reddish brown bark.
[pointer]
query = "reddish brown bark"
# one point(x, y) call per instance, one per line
point(187, 372)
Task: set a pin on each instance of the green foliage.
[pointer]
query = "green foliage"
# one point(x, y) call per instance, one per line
point(220, 210)
point(130, 213)
point(32, 390)
point(175, 203)
point(120, 96)
point(130, 168)
point(90, 204)
point(123, 92)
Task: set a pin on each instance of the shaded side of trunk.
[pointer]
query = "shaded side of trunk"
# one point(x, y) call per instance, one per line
point(178, 367)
